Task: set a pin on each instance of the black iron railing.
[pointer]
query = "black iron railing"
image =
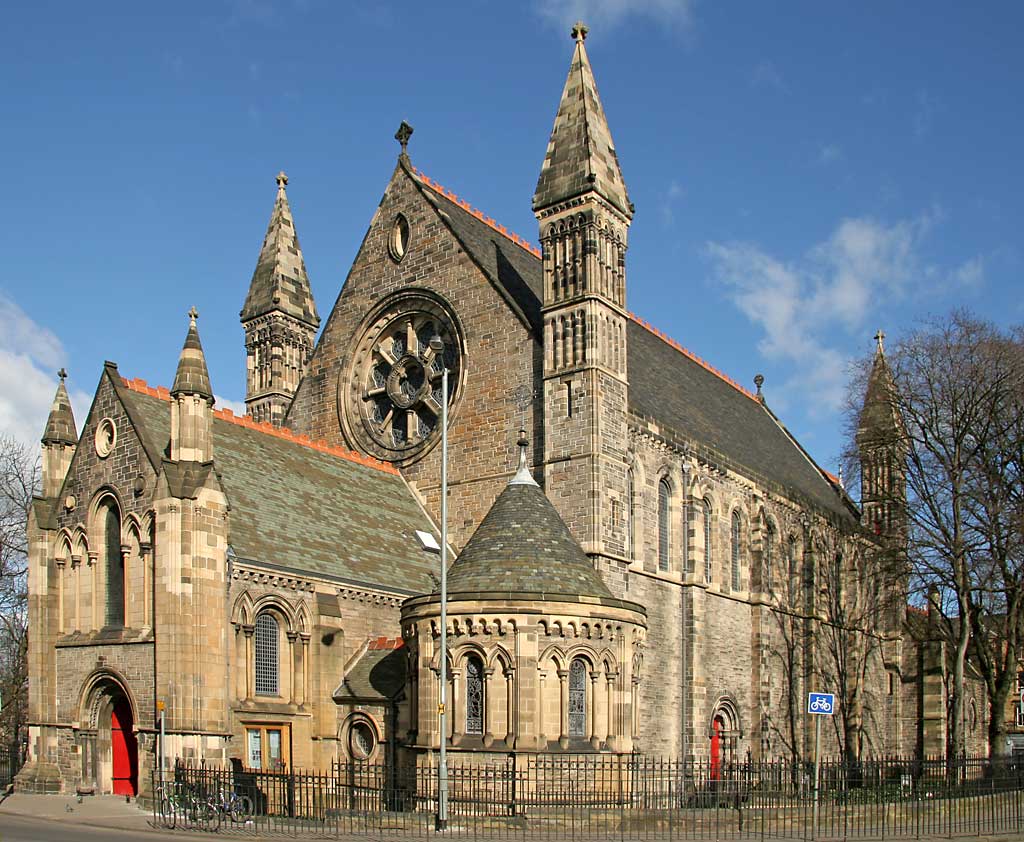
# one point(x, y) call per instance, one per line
point(626, 797)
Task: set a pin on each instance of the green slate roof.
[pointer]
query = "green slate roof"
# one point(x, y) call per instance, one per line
point(300, 508)
point(523, 546)
point(377, 674)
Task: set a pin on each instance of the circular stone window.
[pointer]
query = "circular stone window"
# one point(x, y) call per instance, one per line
point(106, 438)
point(389, 400)
point(398, 239)
point(361, 740)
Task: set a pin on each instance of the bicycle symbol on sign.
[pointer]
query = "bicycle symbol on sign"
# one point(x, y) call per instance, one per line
point(822, 704)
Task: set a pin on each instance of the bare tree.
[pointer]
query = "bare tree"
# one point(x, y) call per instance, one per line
point(953, 386)
point(19, 482)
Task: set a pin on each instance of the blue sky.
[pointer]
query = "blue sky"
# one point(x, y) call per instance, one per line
point(803, 172)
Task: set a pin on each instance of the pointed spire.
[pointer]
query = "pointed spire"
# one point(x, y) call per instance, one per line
point(192, 377)
point(523, 475)
point(581, 154)
point(279, 282)
point(60, 425)
point(878, 419)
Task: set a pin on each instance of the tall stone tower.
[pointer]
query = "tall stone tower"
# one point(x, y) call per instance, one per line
point(279, 318)
point(584, 212)
point(879, 444)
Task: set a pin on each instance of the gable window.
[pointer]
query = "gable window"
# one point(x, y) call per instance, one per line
point(707, 541)
point(664, 493)
point(736, 535)
point(578, 698)
point(267, 655)
point(474, 695)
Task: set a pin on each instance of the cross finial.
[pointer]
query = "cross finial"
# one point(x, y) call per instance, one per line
point(62, 374)
point(281, 179)
point(193, 314)
point(879, 338)
point(402, 136)
point(579, 31)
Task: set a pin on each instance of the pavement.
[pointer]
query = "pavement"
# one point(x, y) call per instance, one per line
point(107, 811)
point(116, 813)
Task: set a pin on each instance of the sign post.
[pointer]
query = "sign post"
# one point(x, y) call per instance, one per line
point(818, 705)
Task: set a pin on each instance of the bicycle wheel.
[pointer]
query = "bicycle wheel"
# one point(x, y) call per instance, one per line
point(208, 816)
point(241, 808)
point(167, 813)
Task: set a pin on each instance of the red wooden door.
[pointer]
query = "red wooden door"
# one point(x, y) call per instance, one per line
point(716, 748)
point(125, 776)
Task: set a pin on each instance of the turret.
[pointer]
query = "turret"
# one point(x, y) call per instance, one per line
point(279, 318)
point(59, 440)
point(192, 402)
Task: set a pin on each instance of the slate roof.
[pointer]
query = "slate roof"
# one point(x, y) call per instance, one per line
point(581, 154)
point(877, 421)
point(299, 507)
point(523, 546)
point(684, 395)
point(377, 673)
point(280, 282)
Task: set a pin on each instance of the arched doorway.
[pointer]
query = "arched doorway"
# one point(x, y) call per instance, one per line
point(717, 747)
point(124, 747)
point(108, 742)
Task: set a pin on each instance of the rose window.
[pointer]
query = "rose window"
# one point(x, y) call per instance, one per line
point(394, 385)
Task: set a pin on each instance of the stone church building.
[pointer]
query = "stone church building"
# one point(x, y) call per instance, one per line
point(645, 559)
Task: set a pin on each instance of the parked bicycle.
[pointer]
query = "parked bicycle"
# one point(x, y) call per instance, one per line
point(179, 803)
point(238, 808)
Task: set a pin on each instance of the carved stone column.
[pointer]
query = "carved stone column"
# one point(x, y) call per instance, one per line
point(146, 558)
point(563, 708)
point(489, 706)
point(456, 711)
point(250, 677)
point(542, 737)
point(93, 559)
point(510, 712)
point(293, 694)
point(595, 741)
point(126, 552)
point(611, 731)
point(60, 595)
point(304, 637)
point(76, 567)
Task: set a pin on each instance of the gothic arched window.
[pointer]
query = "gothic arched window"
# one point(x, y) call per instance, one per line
point(768, 546)
point(578, 698)
point(791, 566)
point(736, 535)
point(474, 695)
point(664, 494)
point(707, 541)
point(267, 655)
point(630, 514)
point(114, 563)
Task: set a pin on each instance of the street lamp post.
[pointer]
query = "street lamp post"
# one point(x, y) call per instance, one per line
point(441, 823)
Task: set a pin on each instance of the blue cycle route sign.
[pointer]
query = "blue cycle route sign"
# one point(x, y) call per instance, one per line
point(822, 704)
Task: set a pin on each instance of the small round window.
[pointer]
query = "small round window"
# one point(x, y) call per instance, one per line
point(106, 437)
point(361, 739)
point(398, 241)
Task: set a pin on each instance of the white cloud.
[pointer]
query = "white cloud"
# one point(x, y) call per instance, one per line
point(237, 407)
point(606, 13)
point(830, 153)
point(810, 308)
point(767, 75)
point(30, 355)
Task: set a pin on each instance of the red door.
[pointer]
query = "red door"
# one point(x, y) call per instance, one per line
point(125, 749)
point(716, 749)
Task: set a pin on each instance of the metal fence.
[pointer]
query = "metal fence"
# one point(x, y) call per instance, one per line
point(11, 759)
point(628, 797)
